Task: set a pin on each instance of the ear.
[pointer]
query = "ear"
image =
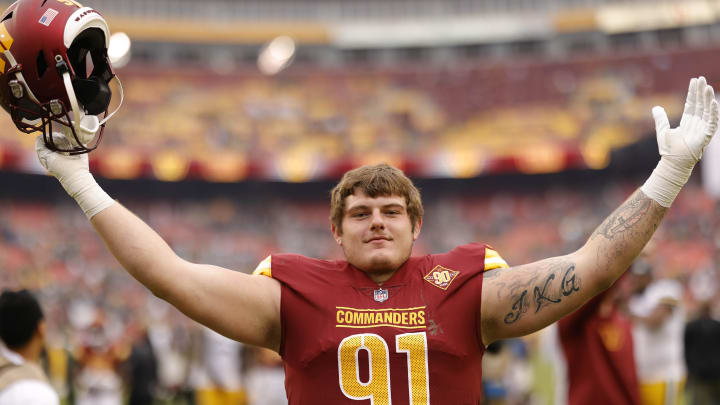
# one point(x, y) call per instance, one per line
point(416, 229)
point(41, 329)
point(337, 234)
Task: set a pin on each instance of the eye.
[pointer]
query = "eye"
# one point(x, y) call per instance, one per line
point(358, 214)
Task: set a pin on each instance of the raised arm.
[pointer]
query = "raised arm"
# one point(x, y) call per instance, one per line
point(240, 306)
point(523, 299)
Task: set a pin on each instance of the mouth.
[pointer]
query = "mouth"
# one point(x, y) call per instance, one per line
point(378, 238)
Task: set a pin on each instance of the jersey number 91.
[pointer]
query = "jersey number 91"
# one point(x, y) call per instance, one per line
point(377, 388)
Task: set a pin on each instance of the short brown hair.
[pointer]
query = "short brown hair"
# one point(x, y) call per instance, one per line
point(378, 180)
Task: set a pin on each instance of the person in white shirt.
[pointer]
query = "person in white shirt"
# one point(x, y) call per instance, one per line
point(218, 376)
point(658, 325)
point(22, 331)
point(266, 378)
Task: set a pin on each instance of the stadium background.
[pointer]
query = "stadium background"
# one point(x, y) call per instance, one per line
point(523, 122)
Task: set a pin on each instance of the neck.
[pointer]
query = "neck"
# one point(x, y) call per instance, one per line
point(30, 352)
point(381, 277)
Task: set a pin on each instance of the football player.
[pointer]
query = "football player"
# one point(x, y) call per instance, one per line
point(382, 327)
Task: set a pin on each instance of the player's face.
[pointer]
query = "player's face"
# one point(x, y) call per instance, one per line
point(377, 235)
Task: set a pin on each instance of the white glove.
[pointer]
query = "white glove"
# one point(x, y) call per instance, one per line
point(682, 147)
point(73, 172)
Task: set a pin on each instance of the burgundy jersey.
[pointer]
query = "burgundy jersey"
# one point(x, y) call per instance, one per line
point(598, 349)
point(414, 340)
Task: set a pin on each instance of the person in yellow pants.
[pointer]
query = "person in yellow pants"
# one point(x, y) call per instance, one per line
point(658, 325)
point(221, 371)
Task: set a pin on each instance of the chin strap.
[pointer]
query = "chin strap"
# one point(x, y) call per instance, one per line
point(74, 105)
point(122, 98)
point(85, 135)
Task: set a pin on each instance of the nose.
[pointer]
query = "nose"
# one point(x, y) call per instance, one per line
point(377, 220)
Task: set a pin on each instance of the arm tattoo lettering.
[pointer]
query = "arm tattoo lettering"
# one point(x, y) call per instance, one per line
point(570, 283)
point(545, 292)
point(519, 307)
point(541, 297)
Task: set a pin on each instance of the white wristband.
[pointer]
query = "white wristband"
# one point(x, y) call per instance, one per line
point(666, 181)
point(84, 189)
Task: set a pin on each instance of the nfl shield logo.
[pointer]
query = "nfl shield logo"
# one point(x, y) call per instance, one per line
point(381, 295)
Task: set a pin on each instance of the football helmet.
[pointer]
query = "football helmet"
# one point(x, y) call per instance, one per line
point(54, 69)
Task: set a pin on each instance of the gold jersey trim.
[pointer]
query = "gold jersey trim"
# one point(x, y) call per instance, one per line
point(493, 260)
point(264, 268)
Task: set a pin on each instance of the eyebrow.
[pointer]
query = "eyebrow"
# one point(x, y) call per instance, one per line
point(363, 206)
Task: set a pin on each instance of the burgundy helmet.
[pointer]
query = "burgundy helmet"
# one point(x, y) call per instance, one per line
point(54, 68)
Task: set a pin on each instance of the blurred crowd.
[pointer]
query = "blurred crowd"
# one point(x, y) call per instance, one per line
point(110, 340)
point(307, 123)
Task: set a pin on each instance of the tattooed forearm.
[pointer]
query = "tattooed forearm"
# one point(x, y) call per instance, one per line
point(621, 237)
point(546, 290)
point(629, 217)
